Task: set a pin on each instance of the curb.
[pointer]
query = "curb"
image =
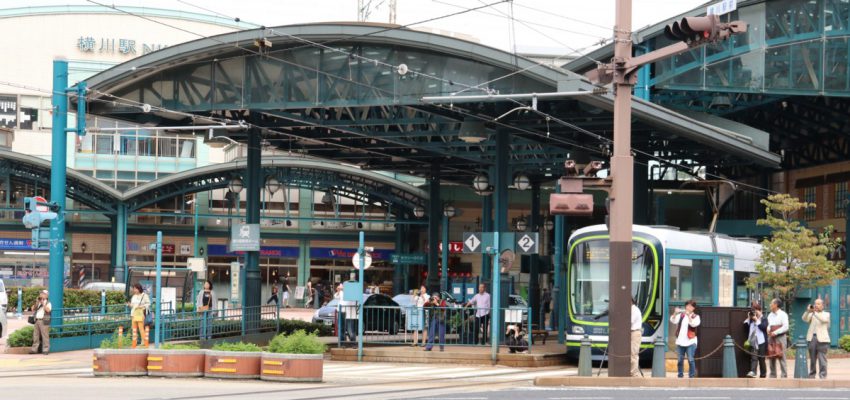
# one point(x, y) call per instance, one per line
point(587, 381)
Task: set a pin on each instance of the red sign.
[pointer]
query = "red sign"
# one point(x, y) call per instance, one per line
point(39, 199)
point(167, 248)
point(454, 247)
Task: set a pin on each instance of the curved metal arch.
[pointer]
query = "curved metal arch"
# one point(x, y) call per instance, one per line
point(344, 180)
point(80, 187)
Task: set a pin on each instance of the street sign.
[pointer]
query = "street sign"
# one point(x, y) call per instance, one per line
point(471, 242)
point(723, 7)
point(244, 237)
point(355, 259)
point(41, 208)
point(528, 243)
point(234, 281)
point(412, 258)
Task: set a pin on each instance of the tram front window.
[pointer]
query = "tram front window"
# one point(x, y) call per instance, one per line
point(589, 272)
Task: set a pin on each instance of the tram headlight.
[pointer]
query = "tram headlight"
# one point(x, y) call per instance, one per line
point(579, 330)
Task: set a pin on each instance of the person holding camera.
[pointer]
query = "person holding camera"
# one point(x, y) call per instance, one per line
point(818, 337)
point(686, 322)
point(777, 333)
point(757, 325)
point(515, 338)
point(438, 321)
point(41, 319)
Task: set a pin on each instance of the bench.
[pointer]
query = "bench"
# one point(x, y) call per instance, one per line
point(538, 333)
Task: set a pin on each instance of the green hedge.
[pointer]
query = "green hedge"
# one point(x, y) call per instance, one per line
point(844, 343)
point(73, 297)
point(299, 342)
point(290, 326)
point(240, 346)
point(20, 338)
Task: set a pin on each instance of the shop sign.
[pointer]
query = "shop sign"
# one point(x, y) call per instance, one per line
point(265, 251)
point(454, 247)
point(167, 248)
point(16, 244)
point(334, 253)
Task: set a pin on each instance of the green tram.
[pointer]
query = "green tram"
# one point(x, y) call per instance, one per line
point(668, 268)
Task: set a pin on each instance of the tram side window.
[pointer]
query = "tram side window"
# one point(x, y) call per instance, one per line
point(690, 279)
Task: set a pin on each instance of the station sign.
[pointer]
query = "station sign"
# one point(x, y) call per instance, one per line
point(411, 258)
point(244, 237)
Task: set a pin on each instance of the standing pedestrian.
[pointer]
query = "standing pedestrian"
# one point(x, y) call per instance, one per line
point(420, 297)
point(41, 330)
point(637, 331)
point(757, 335)
point(286, 290)
point(274, 296)
point(481, 301)
point(686, 322)
point(205, 303)
point(545, 307)
point(139, 306)
point(818, 337)
point(777, 328)
point(308, 294)
point(438, 322)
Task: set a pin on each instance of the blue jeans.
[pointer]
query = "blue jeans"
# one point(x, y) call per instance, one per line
point(436, 325)
point(690, 350)
point(207, 324)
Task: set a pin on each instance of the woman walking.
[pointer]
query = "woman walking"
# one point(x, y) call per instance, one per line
point(308, 294)
point(139, 306)
point(274, 296)
point(205, 303)
point(41, 332)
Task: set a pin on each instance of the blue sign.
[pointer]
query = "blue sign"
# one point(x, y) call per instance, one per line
point(335, 253)
point(265, 251)
point(16, 244)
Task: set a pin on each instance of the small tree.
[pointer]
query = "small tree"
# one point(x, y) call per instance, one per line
point(794, 257)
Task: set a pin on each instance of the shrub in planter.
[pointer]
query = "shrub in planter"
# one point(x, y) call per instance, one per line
point(176, 360)
point(116, 358)
point(844, 343)
point(294, 358)
point(233, 360)
point(288, 326)
point(20, 338)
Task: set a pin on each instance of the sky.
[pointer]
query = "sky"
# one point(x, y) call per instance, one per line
point(556, 27)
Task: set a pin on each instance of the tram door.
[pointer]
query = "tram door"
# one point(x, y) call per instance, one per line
point(689, 276)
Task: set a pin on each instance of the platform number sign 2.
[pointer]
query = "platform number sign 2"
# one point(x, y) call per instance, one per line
point(528, 243)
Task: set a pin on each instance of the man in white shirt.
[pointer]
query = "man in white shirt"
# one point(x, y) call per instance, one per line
point(686, 322)
point(482, 312)
point(818, 337)
point(777, 331)
point(637, 330)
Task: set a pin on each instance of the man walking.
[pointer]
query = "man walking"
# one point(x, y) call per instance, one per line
point(777, 328)
point(818, 337)
point(482, 312)
point(637, 331)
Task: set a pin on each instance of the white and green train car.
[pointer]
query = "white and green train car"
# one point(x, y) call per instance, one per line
point(669, 267)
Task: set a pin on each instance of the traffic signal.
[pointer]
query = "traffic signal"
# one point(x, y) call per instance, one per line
point(696, 31)
point(34, 217)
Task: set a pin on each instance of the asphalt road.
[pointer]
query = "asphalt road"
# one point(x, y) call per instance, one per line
point(530, 393)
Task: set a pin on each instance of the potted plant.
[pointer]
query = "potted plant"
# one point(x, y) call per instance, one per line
point(116, 358)
point(293, 358)
point(233, 360)
point(176, 360)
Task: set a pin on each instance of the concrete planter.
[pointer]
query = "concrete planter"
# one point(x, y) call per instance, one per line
point(232, 364)
point(176, 363)
point(292, 367)
point(120, 362)
point(18, 350)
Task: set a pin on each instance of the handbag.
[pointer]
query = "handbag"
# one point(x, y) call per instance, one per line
point(31, 319)
point(148, 317)
point(775, 348)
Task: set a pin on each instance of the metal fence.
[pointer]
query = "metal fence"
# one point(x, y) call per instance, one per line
point(457, 326)
point(217, 323)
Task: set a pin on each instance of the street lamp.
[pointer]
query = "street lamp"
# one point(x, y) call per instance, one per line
point(418, 211)
point(480, 183)
point(549, 225)
point(486, 192)
point(449, 211)
point(273, 185)
point(521, 224)
point(236, 185)
point(521, 182)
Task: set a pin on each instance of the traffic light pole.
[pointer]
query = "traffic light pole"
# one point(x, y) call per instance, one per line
point(622, 165)
point(56, 271)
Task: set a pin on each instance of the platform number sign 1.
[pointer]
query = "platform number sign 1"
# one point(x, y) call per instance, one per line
point(528, 243)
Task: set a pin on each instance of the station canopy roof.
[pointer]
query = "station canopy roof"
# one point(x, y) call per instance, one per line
point(353, 93)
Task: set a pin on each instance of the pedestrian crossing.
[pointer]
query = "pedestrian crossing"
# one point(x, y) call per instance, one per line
point(385, 371)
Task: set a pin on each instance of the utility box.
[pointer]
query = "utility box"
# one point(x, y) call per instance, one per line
point(715, 324)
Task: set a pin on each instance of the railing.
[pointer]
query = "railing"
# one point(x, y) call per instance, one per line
point(219, 323)
point(85, 327)
point(393, 325)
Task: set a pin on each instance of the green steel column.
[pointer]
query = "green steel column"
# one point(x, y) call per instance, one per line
point(444, 267)
point(559, 310)
point(398, 269)
point(434, 212)
point(486, 226)
point(57, 187)
point(252, 293)
point(121, 238)
point(534, 259)
point(500, 218)
point(305, 210)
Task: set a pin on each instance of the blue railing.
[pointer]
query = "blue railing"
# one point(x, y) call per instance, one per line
point(393, 325)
